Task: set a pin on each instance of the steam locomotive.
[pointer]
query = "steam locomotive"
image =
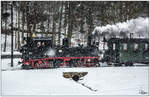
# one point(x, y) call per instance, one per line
point(40, 52)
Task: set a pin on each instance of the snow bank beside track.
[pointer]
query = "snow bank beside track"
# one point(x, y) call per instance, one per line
point(108, 81)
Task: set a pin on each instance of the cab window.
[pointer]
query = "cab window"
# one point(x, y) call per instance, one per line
point(114, 46)
point(136, 46)
point(146, 46)
point(125, 46)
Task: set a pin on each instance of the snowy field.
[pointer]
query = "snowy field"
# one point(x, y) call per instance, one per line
point(106, 80)
point(6, 64)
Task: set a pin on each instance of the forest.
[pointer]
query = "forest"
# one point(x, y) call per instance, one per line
point(59, 19)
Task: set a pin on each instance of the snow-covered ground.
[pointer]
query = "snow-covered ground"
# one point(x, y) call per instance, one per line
point(107, 80)
point(9, 53)
point(6, 64)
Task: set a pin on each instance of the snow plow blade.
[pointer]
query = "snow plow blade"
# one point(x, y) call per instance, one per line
point(72, 74)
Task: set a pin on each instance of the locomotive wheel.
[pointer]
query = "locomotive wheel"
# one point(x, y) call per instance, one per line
point(128, 64)
point(36, 65)
point(52, 65)
point(117, 64)
point(97, 65)
point(57, 64)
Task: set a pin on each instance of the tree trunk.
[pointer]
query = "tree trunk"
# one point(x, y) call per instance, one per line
point(16, 31)
point(29, 34)
point(5, 43)
point(23, 23)
point(34, 27)
point(81, 18)
point(54, 30)
point(90, 23)
point(65, 19)
point(18, 28)
point(48, 25)
point(60, 17)
point(70, 22)
point(42, 28)
point(5, 33)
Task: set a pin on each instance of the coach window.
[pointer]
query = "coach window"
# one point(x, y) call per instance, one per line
point(105, 45)
point(114, 46)
point(136, 46)
point(125, 46)
point(146, 46)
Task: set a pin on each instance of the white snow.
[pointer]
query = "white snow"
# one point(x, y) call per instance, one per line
point(9, 53)
point(107, 80)
point(8, 44)
point(6, 64)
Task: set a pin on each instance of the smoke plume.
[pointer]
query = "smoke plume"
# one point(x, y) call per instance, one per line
point(51, 52)
point(139, 27)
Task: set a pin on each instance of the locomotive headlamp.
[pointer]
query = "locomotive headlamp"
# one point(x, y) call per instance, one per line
point(60, 51)
point(89, 60)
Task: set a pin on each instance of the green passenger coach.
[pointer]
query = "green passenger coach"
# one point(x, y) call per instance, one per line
point(127, 51)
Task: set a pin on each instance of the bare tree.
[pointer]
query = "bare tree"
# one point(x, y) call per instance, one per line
point(5, 27)
point(70, 20)
point(60, 26)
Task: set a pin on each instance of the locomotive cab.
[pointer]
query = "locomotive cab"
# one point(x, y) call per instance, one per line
point(35, 47)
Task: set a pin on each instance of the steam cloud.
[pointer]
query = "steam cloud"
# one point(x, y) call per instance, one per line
point(138, 26)
point(51, 52)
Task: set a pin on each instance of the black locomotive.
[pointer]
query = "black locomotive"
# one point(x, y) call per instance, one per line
point(39, 52)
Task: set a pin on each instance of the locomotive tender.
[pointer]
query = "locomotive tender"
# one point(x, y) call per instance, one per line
point(39, 52)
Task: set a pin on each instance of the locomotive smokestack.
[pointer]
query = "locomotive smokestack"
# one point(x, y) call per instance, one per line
point(65, 42)
point(131, 35)
point(139, 36)
point(89, 40)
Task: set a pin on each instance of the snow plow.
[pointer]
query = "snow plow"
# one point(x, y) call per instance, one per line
point(74, 75)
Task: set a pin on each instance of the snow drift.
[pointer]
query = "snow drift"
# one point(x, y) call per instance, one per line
point(107, 81)
point(51, 52)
